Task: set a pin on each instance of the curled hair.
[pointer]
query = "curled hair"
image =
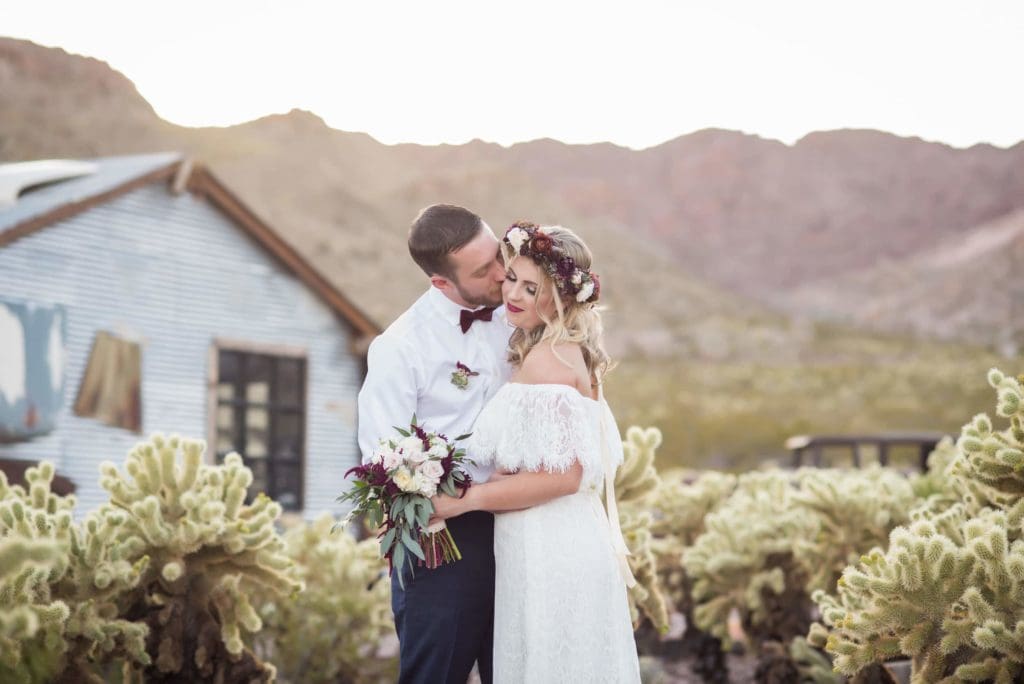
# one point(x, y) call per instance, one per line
point(576, 322)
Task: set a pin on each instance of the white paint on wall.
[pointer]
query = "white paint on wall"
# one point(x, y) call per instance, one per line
point(55, 353)
point(12, 356)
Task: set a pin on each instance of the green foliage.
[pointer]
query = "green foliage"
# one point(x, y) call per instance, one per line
point(330, 631)
point(949, 589)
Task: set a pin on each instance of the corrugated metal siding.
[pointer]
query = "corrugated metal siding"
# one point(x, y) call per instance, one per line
point(175, 273)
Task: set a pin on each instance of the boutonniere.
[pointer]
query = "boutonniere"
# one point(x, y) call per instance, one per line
point(462, 374)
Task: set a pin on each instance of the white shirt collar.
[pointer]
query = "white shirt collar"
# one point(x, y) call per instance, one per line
point(448, 309)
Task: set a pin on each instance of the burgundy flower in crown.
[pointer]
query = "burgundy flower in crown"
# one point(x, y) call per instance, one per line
point(529, 240)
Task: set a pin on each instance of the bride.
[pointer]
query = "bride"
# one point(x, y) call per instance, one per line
point(560, 607)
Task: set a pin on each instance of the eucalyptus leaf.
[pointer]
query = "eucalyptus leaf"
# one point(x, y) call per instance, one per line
point(413, 545)
point(388, 541)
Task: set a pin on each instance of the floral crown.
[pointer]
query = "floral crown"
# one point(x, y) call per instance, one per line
point(527, 239)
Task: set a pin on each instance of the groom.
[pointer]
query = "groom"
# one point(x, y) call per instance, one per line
point(442, 360)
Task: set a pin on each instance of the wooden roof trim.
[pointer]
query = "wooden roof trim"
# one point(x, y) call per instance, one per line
point(202, 182)
point(66, 211)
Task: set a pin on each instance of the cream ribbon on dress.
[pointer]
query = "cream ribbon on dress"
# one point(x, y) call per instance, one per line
point(618, 543)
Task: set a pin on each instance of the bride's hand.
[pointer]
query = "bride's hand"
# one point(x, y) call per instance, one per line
point(446, 507)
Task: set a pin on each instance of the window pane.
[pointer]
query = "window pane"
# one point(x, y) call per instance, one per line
point(257, 378)
point(288, 389)
point(227, 430)
point(260, 481)
point(257, 424)
point(287, 485)
point(287, 435)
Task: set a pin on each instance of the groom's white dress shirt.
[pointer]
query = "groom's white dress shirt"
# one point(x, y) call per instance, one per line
point(410, 366)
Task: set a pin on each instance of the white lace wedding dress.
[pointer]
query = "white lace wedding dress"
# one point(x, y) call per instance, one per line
point(560, 608)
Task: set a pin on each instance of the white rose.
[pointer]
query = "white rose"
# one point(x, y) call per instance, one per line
point(405, 480)
point(516, 237)
point(439, 450)
point(411, 444)
point(433, 470)
point(585, 291)
point(424, 485)
point(392, 459)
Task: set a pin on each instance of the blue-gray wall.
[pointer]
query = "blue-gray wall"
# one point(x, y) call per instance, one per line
point(174, 273)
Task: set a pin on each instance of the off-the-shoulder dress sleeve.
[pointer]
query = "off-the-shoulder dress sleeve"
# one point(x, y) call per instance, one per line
point(539, 427)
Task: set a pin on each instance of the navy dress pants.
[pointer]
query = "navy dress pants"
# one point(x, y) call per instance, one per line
point(445, 617)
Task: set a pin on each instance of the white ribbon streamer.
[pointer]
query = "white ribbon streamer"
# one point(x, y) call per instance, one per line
point(618, 542)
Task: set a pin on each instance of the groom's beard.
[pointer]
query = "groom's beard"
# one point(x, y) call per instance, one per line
point(476, 299)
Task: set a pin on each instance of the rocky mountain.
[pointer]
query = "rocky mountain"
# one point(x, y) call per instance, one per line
point(718, 250)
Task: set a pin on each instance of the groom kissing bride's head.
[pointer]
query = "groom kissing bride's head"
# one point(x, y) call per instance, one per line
point(459, 253)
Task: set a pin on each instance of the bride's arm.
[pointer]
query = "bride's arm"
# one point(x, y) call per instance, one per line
point(511, 493)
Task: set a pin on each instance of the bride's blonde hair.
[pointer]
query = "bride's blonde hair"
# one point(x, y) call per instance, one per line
point(576, 322)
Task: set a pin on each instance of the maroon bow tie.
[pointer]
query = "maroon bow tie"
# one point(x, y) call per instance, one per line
point(466, 317)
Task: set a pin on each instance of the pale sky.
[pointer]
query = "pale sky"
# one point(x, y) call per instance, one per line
point(635, 73)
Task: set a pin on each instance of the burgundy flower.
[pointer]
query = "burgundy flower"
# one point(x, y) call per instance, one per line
point(565, 267)
point(597, 288)
point(541, 243)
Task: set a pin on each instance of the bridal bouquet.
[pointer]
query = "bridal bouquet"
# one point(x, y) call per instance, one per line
point(394, 489)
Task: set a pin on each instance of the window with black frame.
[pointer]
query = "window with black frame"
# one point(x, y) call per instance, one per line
point(261, 414)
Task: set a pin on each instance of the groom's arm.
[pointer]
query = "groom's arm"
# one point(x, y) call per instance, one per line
point(389, 393)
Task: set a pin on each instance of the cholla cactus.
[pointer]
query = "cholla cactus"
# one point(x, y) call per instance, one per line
point(949, 590)
point(77, 624)
point(679, 510)
point(34, 528)
point(331, 631)
point(745, 561)
point(855, 509)
point(204, 551)
point(634, 481)
point(156, 581)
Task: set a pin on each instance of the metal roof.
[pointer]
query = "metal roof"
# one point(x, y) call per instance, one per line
point(110, 173)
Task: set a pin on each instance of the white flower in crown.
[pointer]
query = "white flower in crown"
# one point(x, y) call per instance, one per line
point(516, 238)
point(577, 278)
point(585, 291)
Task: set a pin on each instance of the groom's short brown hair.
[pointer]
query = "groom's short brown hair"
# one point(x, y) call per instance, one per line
point(439, 230)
